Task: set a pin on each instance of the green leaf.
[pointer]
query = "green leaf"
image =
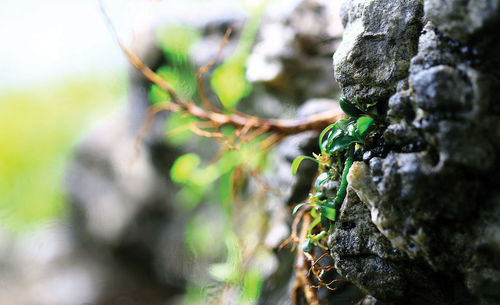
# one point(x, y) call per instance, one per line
point(342, 191)
point(184, 167)
point(313, 224)
point(342, 128)
point(363, 124)
point(177, 128)
point(190, 196)
point(320, 235)
point(230, 84)
point(314, 213)
point(306, 245)
point(298, 206)
point(252, 286)
point(323, 133)
point(177, 39)
point(342, 143)
point(328, 212)
point(296, 163)
point(350, 109)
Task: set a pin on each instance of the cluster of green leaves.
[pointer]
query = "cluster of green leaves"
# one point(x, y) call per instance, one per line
point(229, 83)
point(229, 79)
point(198, 180)
point(337, 143)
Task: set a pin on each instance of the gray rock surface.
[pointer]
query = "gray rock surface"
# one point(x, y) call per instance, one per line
point(460, 20)
point(431, 193)
point(385, 43)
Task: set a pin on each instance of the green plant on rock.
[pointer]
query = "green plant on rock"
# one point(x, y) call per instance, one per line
point(338, 143)
point(244, 141)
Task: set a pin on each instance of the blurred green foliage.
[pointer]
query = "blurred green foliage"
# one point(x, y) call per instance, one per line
point(229, 79)
point(212, 181)
point(252, 285)
point(230, 84)
point(176, 39)
point(39, 127)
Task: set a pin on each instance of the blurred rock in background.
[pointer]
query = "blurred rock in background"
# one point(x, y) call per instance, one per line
point(124, 240)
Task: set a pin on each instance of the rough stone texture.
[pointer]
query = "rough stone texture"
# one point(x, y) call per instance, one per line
point(384, 44)
point(460, 20)
point(432, 193)
point(365, 257)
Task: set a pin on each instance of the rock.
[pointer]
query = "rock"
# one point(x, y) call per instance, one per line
point(482, 271)
point(462, 19)
point(432, 195)
point(376, 48)
point(441, 88)
point(292, 56)
point(365, 256)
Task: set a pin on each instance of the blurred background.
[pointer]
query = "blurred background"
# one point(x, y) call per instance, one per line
point(86, 218)
point(60, 71)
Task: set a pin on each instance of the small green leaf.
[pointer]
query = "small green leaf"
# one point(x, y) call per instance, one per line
point(342, 191)
point(177, 128)
point(317, 196)
point(323, 133)
point(184, 167)
point(342, 128)
point(306, 245)
point(252, 286)
point(230, 84)
point(298, 206)
point(177, 39)
point(313, 224)
point(350, 109)
point(314, 212)
point(364, 123)
point(328, 212)
point(342, 143)
point(296, 163)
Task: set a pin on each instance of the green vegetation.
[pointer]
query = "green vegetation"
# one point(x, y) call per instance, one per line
point(215, 181)
point(40, 125)
point(335, 160)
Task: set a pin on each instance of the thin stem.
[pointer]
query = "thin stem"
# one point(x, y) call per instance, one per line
point(341, 193)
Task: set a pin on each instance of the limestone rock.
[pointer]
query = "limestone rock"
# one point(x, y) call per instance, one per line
point(432, 195)
point(379, 40)
point(462, 19)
